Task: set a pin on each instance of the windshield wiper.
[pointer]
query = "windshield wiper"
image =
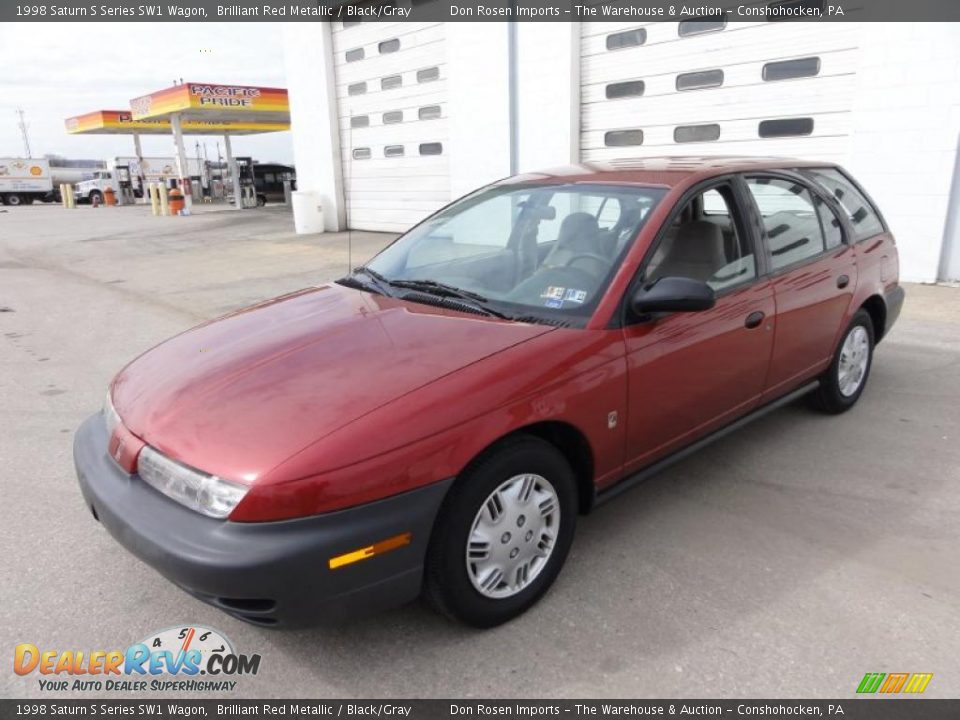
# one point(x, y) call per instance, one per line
point(380, 283)
point(472, 300)
point(438, 288)
point(468, 298)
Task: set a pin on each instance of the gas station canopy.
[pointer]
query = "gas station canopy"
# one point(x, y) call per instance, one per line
point(201, 102)
point(194, 109)
point(121, 122)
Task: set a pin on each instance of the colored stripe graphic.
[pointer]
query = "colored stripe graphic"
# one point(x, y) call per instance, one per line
point(918, 682)
point(894, 683)
point(870, 682)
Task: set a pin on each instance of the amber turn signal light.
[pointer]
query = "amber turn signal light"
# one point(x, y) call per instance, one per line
point(397, 541)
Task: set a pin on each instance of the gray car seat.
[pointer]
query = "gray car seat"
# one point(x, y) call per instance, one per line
point(578, 234)
point(695, 252)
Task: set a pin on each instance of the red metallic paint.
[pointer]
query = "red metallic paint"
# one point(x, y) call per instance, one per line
point(691, 373)
point(124, 447)
point(810, 309)
point(332, 397)
point(237, 396)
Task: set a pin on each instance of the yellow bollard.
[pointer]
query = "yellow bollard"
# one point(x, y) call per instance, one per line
point(63, 195)
point(154, 198)
point(164, 205)
point(71, 198)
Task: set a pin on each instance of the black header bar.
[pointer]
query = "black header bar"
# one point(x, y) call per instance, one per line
point(639, 11)
point(862, 708)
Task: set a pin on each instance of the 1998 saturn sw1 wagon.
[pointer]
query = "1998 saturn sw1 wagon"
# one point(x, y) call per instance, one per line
point(434, 422)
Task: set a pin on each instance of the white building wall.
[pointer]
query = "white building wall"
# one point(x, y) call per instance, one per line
point(478, 104)
point(901, 138)
point(950, 257)
point(906, 124)
point(313, 117)
point(548, 84)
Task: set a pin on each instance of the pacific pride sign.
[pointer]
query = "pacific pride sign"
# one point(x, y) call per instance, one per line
point(225, 95)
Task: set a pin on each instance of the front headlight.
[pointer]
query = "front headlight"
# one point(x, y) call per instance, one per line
point(110, 418)
point(207, 494)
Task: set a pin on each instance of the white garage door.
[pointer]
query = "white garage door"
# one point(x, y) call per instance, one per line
point(391, 94)
point(714, 88)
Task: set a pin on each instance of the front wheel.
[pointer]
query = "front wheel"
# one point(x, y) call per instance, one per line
point(261, 200)
point(843, 382)
point(96, 197)
point(502, 534)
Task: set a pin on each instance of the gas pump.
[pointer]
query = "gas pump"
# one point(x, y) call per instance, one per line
point(124, 184)
point(248, 192)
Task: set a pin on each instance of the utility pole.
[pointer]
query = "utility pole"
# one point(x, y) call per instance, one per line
point(23, 131)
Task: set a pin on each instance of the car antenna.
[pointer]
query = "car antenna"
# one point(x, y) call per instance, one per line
point(346, 199)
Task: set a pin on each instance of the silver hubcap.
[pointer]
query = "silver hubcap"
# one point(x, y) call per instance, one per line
point(513, 536)
point(853, 361)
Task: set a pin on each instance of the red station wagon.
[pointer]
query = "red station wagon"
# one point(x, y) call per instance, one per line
point(434, 422)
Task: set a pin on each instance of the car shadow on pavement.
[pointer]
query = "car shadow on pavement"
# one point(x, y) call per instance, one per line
point(739, 561)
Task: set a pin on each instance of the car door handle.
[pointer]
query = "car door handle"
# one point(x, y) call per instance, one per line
point(843, 281)
point(754, 319)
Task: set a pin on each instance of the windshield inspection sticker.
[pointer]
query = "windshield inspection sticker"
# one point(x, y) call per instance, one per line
point(577, 296)
point(553, 304)
point(553, 293)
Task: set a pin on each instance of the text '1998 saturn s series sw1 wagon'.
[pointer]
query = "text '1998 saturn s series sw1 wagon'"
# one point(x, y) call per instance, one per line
point(434, 422)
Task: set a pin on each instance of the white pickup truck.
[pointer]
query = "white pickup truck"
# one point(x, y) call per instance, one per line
point(23, 180)
point(152, 169)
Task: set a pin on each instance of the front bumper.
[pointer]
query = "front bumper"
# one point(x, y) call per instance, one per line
point(271, 573)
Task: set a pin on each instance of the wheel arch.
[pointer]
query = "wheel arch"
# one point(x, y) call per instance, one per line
point(570, 441)
point(876, 308)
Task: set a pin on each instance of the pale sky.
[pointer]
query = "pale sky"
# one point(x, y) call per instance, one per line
point(57, 70)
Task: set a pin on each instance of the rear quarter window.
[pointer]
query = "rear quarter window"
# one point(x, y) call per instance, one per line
point(862, 215)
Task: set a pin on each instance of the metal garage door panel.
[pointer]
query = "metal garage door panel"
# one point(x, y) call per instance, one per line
point(834, 63)
point(737, 105)
point(392, 193)
point(798, 98)
point(829, 141)
point(664, 51)
point(410, 134)
point(402, 98)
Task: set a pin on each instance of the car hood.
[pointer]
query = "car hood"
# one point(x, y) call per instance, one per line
point(236, 396)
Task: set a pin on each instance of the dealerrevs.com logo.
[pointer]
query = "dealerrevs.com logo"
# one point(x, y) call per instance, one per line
point(179, 659)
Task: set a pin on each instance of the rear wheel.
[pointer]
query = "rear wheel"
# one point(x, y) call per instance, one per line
point(261, 200)
point(502, 534)
point(13, 200)
point(843, 382)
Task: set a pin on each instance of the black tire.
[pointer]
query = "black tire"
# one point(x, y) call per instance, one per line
point(447, 584)
point(828, 397)
point(261, 200)
point(95, 197)
point(13, 200)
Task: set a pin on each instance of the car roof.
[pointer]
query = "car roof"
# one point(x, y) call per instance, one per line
point(665, 171)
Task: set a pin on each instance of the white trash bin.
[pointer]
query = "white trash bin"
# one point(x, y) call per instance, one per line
point(307, 212)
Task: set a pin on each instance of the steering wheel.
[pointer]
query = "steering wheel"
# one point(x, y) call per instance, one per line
point(603, 261)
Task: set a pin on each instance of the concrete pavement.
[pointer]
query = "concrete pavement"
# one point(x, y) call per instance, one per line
point(787, 560)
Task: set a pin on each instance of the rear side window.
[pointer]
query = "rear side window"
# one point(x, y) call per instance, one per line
point(791, 223)
point(832, 229)
point(862, 215)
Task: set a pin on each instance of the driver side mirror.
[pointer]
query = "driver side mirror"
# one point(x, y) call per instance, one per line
point(673, 294)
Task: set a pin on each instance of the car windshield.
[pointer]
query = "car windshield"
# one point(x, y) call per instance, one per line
point(537, 252)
